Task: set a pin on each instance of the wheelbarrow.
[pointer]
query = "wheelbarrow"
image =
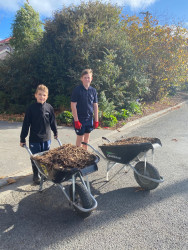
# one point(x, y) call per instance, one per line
point(79, 195)
point(146, 175)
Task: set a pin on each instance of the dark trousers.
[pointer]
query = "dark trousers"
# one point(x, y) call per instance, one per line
point(38, 147)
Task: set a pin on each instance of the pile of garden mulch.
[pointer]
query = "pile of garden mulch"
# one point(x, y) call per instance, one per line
point(132, 140)
point(66, 157)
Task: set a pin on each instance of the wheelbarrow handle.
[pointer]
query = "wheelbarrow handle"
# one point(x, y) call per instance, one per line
point(60, 144)
point(106, 139)
point(29, 151)
point(84, 143)
point(96, 151)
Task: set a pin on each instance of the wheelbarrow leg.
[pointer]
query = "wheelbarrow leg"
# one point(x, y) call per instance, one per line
point(145, 162)
point(110, 165)
point(41, 183)
point(88, 185)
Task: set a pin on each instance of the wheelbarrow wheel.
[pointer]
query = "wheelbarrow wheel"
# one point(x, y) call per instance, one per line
point(151, 172)
point(82, 199)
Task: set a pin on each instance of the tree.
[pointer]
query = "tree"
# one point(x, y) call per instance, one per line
point(18, 81)
point(161, 52)
point(26, 29)
point(90, 35)
point(86, 36)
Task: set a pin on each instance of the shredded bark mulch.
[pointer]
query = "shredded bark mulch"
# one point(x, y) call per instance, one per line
point(132, 140)
point(66, 157)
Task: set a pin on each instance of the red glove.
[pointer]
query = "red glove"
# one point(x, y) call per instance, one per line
point(96, 124)
point(77, 125)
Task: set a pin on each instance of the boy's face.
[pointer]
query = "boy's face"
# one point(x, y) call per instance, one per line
point(41, 96)
point(87, 79)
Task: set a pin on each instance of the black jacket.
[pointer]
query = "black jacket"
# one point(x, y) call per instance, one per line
point(40, 119)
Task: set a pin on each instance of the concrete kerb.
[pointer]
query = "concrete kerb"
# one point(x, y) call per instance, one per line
point(9, 180)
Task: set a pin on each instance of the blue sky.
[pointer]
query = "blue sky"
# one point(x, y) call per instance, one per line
point(166, 11)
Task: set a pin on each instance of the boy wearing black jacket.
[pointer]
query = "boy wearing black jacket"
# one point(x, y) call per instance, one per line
point(40, 120)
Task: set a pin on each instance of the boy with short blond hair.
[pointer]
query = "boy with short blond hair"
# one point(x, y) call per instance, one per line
point(84, 103)
point(40, 120)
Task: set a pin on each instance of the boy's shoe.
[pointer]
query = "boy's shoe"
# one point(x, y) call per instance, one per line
point(36, 180)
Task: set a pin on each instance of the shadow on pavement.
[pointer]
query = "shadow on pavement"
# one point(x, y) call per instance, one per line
point(43, 219)
point(10, 125)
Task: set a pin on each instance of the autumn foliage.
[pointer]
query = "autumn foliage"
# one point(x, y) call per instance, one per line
point(162, 53)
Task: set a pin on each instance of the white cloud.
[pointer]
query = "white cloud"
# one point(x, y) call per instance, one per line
point(46, 7)
point(10, 5)
point(139, 4)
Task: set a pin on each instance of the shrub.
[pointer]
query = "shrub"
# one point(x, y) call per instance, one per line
point(109, 120)
point(106, 106)
point(16, 109)
point(65, 117)
point(123, 114)
point(62, 102)
point(135, 108)
point(3, 101)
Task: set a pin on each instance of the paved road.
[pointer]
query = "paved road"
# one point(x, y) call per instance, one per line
point(126, 217)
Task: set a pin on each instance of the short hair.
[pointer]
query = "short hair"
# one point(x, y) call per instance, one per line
point(87, 71)
point(41, 87)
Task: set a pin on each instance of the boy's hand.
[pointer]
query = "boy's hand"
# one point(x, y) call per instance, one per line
point(96, 124)
point(77, 124)
point(22, 144)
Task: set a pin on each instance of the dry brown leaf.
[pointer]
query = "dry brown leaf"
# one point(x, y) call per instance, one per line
point(174, 140)
point(138, 189)
point(11, 180)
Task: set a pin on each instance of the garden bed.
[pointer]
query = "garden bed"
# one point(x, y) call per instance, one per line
point(146, 108)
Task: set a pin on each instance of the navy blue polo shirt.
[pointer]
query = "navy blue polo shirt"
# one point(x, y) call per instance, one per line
point(84, 99)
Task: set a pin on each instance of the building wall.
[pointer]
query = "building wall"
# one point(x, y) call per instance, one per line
point(5, 48)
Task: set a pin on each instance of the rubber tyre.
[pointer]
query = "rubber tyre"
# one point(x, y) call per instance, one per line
point(82, 198)
point(151, 171)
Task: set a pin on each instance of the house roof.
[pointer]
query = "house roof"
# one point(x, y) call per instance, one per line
point(5, 40)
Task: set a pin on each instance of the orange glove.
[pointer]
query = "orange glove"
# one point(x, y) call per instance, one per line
point(96, 124)
point(77, 125)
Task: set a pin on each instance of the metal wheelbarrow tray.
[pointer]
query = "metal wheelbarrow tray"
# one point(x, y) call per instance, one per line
point(79, 194)
point(146, 175)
